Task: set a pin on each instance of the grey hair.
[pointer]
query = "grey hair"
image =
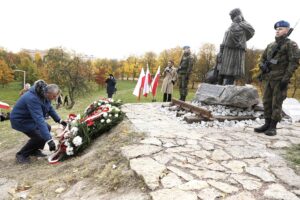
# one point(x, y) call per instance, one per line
point(52, 88)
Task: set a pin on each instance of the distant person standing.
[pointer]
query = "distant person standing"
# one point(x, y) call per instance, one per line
point(59, 101)
point(184, 71)
point(25, 89)
point(110, 85)
point(233, 48)
point(66, 100)
point(170, 74)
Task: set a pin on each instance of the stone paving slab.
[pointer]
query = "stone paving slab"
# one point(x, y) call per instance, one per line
point(182, 161)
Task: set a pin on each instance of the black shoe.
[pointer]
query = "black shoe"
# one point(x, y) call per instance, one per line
point(38, 153)
point(264, 127)
point(271, 132)
point(22, 159)
point(272, 129)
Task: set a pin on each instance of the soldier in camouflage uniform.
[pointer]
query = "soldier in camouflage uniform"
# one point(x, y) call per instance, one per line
point(184, 72)
point(282, 67)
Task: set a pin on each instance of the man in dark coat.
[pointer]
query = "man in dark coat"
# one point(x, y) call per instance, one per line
point(233, 48)
point(28, 116)
point(281, 69)
point(110, 85)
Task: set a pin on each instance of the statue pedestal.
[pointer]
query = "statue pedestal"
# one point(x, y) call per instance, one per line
point(229, 95)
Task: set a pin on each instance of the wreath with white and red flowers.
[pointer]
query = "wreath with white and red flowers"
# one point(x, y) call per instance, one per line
point(99, 117)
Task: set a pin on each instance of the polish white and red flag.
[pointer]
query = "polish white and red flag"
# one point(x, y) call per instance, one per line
point(4, 106)
point(155, 81)
point(147, 83)
point(139, 84)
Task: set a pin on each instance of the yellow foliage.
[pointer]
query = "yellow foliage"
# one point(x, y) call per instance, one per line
point(6, 73)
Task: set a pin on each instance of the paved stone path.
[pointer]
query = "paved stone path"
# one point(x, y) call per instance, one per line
point(181, 162)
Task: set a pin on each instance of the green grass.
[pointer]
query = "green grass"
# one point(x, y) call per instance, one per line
point(293, 154)
point(10, 94)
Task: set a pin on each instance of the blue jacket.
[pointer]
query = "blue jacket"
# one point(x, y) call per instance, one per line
point(30, 112)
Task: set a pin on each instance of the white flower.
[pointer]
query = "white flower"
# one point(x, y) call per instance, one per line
point(109, 115)
point(77, 141)
point(69, 151)
point(105, 115)
point(67, 143)
point(116, 115)
point(77, 117)
point(108, 121)
point(73, 123)
point(74, 130)
point(102, 121)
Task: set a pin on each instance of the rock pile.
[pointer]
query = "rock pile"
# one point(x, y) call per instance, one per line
point(220, 110)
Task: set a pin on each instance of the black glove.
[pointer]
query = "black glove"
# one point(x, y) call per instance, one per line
point(173, 82)
point(283, 85)
point(63, 123)
point(52, 146)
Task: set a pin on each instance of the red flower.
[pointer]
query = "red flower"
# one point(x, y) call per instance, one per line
point(90, 123)
point(72, 116)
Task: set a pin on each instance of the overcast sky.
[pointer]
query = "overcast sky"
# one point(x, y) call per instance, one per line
point(118, 28)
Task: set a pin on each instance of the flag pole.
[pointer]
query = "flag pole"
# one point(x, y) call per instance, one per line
point(153, 100)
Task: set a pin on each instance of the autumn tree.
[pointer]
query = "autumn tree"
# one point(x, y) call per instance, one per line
point(27, 64)
point(69, 72)
point(6, 73)
point(100, 76)
point(174, 54)
point(149, 59)
point(252, 58)
point(205, 60)
point(131, 65)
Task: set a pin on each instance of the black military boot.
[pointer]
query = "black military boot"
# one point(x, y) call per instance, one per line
point(264, 127)
point(21, 159)
point(183, 98)
point(272, 128)
point(169, 98)
point(165, 97)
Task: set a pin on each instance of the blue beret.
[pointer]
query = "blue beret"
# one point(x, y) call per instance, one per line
point(186, 47)
point(281, 23)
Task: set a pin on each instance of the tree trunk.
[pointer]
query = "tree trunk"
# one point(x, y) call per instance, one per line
point(71, 95)
point(193, 84)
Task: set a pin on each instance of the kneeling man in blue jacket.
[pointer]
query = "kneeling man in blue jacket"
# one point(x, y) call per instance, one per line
point(28, 116)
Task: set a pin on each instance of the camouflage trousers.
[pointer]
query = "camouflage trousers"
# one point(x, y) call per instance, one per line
point(183, 82)
point(273, 99)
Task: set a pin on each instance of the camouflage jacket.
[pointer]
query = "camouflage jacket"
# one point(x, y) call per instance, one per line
point(186, 64)
point(284, 63)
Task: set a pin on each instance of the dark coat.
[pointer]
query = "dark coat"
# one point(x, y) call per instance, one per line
point(30, 112)
point(234, 47)
point(110, 85)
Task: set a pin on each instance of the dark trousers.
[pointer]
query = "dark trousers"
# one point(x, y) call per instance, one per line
point(273, 99)
point(35, 143)
point(167, 97)
point(183, 81)
point(109, 95)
